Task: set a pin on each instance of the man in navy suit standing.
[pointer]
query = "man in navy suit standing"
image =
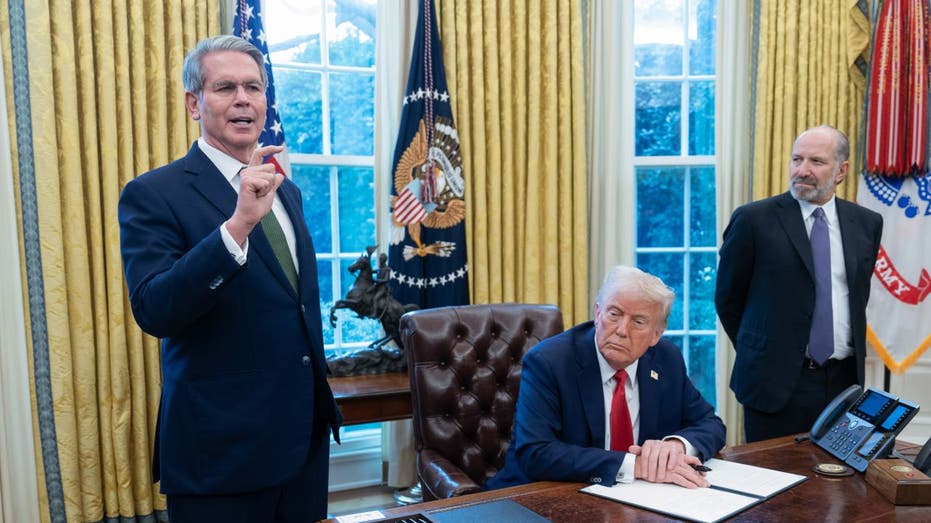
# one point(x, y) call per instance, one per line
point(609, 401)
point(796, 312)
point(220, 265)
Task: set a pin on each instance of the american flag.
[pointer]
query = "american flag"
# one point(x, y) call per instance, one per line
point(247, 23)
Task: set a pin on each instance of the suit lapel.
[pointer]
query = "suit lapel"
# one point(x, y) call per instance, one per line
point(648, 376)
point(590, 385)
point(846, 219)
point(210, 182)
point(790, 217)
point(214, 187)
point(290, 198)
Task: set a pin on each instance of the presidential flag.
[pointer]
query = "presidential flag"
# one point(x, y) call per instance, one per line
point(427, 252)
point(247, 23)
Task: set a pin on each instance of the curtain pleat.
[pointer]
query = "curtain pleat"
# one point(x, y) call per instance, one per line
point(105, 104)
point(515, 73)
point(808, 71)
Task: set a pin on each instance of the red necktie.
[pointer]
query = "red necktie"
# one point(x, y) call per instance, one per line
point(622, 432)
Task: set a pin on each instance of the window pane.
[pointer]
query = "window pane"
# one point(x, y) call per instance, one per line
point(659, 113)
point(657, 38)
point(702, 367)
point(293, 31)
point(355, 329)
point(314, 182)
point(356, 212)
point(352, 113)
point(703, 224)
point(702, 22)
point(299, 98)
point(352, 34)
point(668, 267)
point(701, 118)
point(325, 280)
point(660, 204)
point(703, 268)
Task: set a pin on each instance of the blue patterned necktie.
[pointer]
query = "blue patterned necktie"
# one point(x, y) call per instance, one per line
point(821, 338)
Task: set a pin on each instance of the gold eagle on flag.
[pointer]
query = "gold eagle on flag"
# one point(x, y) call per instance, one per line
point(430, 189)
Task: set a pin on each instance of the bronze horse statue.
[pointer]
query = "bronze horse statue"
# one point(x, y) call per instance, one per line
point(371, 298)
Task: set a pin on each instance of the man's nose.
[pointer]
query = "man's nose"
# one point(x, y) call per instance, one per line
point(241, 95)
point(621, 328)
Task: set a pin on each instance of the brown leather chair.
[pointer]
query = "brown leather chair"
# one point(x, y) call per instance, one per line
point(464, 364)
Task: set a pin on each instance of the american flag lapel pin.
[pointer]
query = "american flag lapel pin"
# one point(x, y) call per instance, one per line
point(654, 375)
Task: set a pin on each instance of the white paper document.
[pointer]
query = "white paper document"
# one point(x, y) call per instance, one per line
point(747, 479)
point(735, 487)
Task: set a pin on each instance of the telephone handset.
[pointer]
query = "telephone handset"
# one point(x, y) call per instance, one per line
point(858, 427)
point(923, 459)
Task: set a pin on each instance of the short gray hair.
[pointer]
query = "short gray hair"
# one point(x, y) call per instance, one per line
point(647, 286)
point(192, 72)
point(842, 145)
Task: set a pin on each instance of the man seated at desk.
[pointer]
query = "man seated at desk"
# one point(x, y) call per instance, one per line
point(614, 368)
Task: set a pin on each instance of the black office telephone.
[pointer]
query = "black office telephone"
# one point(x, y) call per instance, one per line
point(858, 427)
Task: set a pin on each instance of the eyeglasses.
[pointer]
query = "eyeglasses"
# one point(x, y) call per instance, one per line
point(223, 88)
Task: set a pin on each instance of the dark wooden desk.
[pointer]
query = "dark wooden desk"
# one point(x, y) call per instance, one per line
point(374, 397)
point(848, 499)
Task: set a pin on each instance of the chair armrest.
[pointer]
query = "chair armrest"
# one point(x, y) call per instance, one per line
point(442, 479)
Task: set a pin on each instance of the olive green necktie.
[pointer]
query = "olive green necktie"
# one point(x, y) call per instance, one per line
point(275, 235)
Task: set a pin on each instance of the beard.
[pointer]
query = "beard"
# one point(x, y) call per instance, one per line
point(818, 193)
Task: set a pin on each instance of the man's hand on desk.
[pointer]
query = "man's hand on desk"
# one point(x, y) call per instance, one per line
point(666, 462)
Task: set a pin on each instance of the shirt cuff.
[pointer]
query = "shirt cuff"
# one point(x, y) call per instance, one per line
point(238, 254)
point(689, 449)
point(626, 473)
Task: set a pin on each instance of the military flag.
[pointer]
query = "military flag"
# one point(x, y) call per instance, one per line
point(897, 185)
point(427, 252)
point(247, 24)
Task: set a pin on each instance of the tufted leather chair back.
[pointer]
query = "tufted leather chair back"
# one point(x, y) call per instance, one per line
point(464, 365)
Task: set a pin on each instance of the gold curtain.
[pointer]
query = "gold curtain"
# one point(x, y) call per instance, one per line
point(105, 103)
point(808, 70)
point(515, 72)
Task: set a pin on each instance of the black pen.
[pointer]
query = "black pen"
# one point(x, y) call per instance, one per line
point(700, 468)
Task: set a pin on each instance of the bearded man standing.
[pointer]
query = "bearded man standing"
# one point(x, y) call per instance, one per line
point(792, 287)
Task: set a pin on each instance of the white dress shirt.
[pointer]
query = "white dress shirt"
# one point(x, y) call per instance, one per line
point(632, 392)
point(840, 293)
point(229, 167)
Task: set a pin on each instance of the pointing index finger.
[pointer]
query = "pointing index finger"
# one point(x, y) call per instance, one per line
point(259, 154)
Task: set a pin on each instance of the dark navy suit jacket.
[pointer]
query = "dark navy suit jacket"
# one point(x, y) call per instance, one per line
point(559, 427)
point(765, 293)
point(243, 371)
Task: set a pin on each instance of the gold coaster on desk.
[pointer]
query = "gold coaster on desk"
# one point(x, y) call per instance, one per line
point(833, 469)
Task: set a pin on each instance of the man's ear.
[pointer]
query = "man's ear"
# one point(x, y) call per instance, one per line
point(841, 172)
point(192, 103)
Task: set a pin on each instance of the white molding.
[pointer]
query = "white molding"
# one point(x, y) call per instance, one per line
point(356, 463)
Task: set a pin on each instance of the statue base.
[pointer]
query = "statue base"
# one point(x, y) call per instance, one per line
point(368, 361)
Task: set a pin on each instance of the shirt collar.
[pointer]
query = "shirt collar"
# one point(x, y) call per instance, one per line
point(830, 209)
point(607, 372)
point(228, 166)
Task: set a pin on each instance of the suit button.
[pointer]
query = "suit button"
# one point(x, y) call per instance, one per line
point(302, 308)
point(216, 282)
point(305, 361)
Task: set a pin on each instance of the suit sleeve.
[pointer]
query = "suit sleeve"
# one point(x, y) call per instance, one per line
point(173, 279)
point(538, 426)
point(700, 425)
point(735, 270)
